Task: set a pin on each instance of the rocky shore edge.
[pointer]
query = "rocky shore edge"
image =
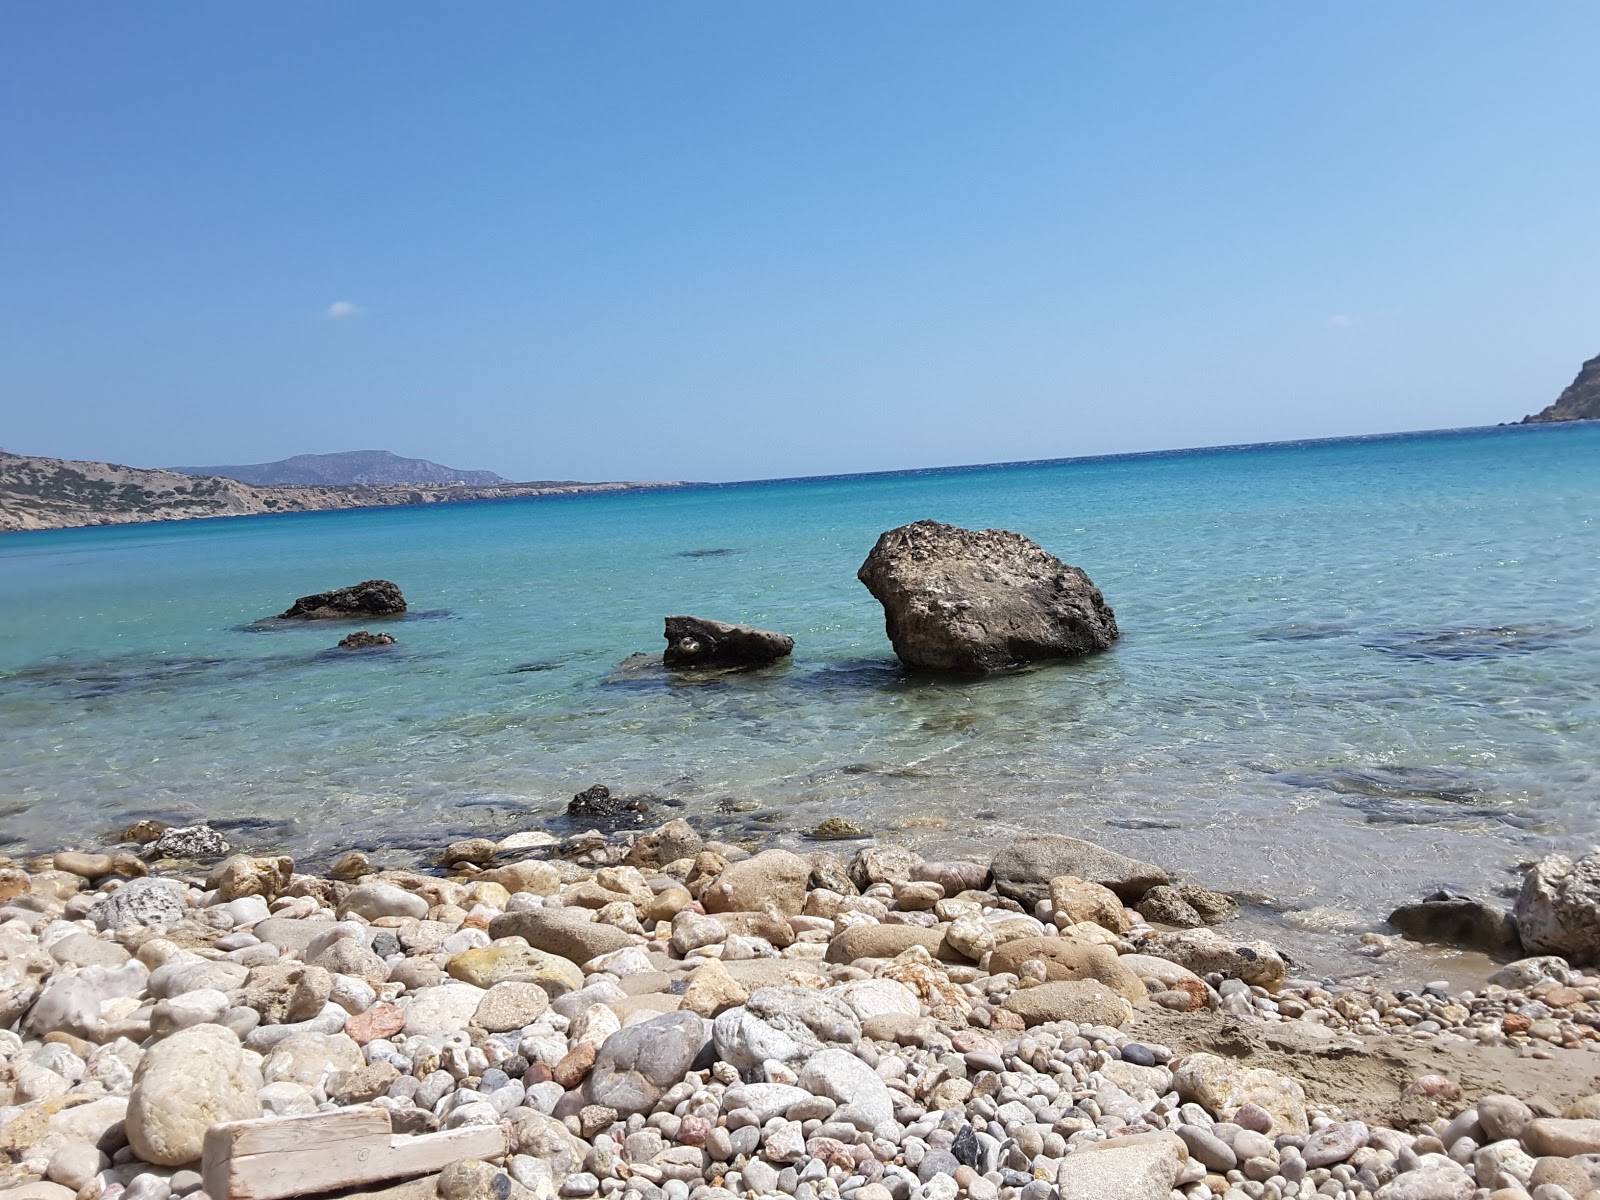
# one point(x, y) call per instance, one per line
point(659, 1017)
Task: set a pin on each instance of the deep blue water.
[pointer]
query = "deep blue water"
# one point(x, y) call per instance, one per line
point(1349, 669)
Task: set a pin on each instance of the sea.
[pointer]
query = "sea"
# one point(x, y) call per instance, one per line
point(1351, 671)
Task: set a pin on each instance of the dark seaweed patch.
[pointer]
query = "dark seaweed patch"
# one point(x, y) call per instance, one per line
point(529, 668)
point(1472, 642)
point(1304, 633)
point(1387, 782)
point(712, 552)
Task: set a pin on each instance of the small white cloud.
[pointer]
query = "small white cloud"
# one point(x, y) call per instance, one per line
point(1341, 321)
point(342, 310)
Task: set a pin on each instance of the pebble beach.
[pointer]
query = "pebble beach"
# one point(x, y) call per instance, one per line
point(653, 1016)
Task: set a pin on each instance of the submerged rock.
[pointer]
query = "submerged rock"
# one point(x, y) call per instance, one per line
point(980, 600)
point(1452, 920)
point(699, 642)
point(373, 598)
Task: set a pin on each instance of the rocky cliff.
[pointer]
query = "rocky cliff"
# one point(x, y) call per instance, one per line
point(54, 493)
point(1580, 402)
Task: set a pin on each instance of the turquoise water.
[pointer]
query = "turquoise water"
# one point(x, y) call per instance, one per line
point(1349, 670)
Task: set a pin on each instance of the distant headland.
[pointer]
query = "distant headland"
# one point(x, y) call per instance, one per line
point(54, 493)
point(1580, 402)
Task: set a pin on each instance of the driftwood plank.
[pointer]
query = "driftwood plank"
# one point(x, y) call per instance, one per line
point(270, 1159)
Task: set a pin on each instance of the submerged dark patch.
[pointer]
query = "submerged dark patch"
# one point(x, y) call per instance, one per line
point(711, 552)
point(529, 668)
point(1387, 782)
point(1470, 642)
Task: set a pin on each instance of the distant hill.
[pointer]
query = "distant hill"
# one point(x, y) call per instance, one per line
point(365, 468)
point(1580, 402)
point(54, 493)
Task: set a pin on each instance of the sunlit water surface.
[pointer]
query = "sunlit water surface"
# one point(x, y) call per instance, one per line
point(1350, 671)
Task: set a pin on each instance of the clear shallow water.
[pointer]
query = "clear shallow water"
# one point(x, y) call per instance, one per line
point(1350, 670)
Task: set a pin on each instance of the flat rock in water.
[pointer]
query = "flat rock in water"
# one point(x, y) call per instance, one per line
point(981, 600)
point(699, 642)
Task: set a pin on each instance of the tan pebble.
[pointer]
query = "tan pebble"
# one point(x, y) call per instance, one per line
point(352, 866)
point(88, 866)
point(476, 851)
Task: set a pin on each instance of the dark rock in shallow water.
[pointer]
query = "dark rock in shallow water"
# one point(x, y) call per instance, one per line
point(698, 642)
point(362, 640)
point(598, 804)
point(981, 600)
point(1449, 919)
point(374, 598)
point(190, 841)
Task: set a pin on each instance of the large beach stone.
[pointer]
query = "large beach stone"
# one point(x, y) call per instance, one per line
point(1140, 1167)
point(534, 876)
point(784, 1023)
point(510, 1005)
point(70, 1002)
point(557, 932)
point(1222, 1086)
point(713, 991)
point(439, 1010)
point(701, 642)
point(1437, 1180)
point(139, 902)
point(241, 875)
point(1025, 866)
point(870, 998)
point(1080, 900)
point(1558, 909)
point(488, 965)
point(1205, 950)
point(888, 941)
point(371, 598)
point(1561, 1137)
point(375, 900)
point(1067, 958)
point(1085, 1001)
point(980, 600)
point(862, 1097)
point(1445, 918)
point(636, 1065)
point(666, 844)
point(773, 877)
point(310, 1059)
point(184, 1085)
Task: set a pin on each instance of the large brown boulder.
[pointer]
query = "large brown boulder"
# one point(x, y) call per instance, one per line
point(699, 642)
point(981, 600)
point(374, 598)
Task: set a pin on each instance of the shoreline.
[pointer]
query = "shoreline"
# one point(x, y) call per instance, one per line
point(846, 1024)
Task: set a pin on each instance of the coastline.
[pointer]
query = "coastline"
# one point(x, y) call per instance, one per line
point(653, 1015)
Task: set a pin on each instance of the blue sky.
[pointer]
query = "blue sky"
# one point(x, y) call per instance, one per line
point(721, 241)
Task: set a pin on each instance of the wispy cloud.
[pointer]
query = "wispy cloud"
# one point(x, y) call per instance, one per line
point(342, 310)
point(1341, 321)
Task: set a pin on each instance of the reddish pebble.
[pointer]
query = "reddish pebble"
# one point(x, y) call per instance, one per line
point(694, 1131)
point(379, 1021)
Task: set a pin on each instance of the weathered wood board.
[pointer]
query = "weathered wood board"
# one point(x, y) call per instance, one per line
point(273, 1158)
